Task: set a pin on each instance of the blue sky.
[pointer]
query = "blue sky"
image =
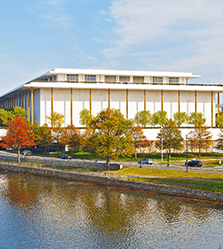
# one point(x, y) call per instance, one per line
point(153, 35)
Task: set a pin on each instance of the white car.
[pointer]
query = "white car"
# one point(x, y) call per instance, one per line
point(146, 161)
point(27, 153)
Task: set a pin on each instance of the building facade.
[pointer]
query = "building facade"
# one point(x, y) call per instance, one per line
point(68, 91)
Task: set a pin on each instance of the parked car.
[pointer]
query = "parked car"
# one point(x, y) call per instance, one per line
point(27, 153)
point(63, 156)
point(194, 163)
point(146, 161)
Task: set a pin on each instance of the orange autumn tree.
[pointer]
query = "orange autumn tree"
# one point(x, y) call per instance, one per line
point(200, 138)
point(139, 138)
point(18, 135)
point(72, 138)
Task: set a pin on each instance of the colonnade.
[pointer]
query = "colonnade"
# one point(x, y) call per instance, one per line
point(145, 91)
point(24, 99)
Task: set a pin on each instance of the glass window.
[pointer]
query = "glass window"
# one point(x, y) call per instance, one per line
point(157, 79)
point(138, 79)
point(124, 78)
point(72, 77)
point(90, 78)
point(110, 78)
point(173, 79)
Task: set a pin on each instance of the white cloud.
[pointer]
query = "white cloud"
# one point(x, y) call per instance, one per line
point(187, 33)
point(53, 12)
point(140, 21)
point(62, 21)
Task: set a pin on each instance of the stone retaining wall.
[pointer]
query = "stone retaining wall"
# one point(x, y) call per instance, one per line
point(109, 180)
point(60, 162)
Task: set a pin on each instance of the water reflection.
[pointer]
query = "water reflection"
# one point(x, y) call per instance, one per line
point(37, 212)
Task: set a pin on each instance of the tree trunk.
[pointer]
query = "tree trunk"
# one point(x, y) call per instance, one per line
point(18, 159)
point(108, 163)
point(45, 149)
point(199, 152)
point(58, 149)
point(135, 152)
point(72, 152)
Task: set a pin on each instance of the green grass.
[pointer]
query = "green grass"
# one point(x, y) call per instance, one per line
point(212, 164)
point(63, 167)
point(132, 171)
point(194, 184)
point(77, 155)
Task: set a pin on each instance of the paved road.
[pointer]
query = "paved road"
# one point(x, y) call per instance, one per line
point(215, 170)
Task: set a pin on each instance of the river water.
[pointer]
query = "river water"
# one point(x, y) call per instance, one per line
point(38, 212)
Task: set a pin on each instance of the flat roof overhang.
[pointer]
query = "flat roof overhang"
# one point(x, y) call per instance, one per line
point(129, 86)
point(151, 87)
point(54, 71)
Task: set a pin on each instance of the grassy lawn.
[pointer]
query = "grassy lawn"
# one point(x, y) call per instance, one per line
point(201, 185)
point(213, 163)
point(131, 171)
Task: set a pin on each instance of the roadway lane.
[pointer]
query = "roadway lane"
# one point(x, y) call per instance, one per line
point(214, 170)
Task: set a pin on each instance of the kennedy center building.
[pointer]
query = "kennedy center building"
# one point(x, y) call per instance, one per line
point(68, 91)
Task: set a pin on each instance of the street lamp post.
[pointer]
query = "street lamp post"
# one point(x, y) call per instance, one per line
point(186, 155)
point(140, 158)
point(168, 153)
point(162, 149)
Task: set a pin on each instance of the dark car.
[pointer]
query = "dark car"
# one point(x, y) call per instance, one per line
point(64, 156)
point(146, 161)
point(194, 163)
point(27, 153)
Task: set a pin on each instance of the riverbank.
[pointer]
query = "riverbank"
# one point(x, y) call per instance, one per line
point(114, 180)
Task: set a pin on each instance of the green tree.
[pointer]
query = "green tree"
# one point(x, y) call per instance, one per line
point(87, 139)
point(219, 120)
point(72, 138)
point(159, 118)
point(180, 118)
point(143, 118)
point(85, 117)
point(3, 117)
point(19, 111)
point(171, 136)
point(138, 137)
point(196, 118)
point(10, 114)
point(112, 135)
point(219, 145)
point(200, 137)
point(56, 120)
point(35, 129)
point(43, 135)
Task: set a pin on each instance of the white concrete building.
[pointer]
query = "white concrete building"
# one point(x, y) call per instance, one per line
point(68, 91)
